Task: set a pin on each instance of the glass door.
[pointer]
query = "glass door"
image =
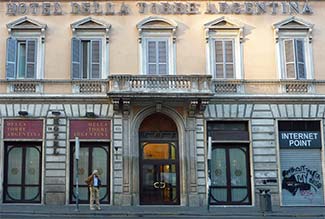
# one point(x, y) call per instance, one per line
point(230, 178)
point(92, 156)
point(22, 176)
point(159, 174)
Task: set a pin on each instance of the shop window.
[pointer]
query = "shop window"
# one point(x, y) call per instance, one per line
point(22, 183)
point(157, 46)
point(293, 39)
point(89, 49)
point(223, 39)
point(93, 155)
point(25, 49)
point(301, 171)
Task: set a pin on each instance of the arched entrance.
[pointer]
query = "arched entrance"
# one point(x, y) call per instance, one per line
point(159, 161)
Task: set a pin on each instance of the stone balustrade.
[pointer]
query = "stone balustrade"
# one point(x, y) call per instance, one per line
point(160, 84)
point(220, 87)
point(163, 85)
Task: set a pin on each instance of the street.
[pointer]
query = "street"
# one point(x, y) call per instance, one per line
point(141, 216)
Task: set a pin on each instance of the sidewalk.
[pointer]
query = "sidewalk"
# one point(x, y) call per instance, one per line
point(51, 210)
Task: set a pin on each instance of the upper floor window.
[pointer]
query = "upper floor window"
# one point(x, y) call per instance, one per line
point(157, 46)
point(223, 39)
point(25, 49)
point(293, 38)
point(90, 49)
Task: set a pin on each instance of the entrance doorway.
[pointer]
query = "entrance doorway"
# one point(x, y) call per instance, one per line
point(159, 163)
point(93, 155)
point(22, 175)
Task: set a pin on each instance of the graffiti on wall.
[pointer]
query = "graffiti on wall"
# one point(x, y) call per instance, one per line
point(301, 179)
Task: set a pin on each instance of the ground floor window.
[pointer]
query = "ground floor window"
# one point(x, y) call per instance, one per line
point(301, 165)
point(229, 174)
point(92, 156)
point(22, 175)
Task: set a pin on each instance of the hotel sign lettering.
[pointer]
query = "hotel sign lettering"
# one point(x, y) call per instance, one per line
point(160, 8)
point(90, 129)
point(300, 140)
point(23, 129)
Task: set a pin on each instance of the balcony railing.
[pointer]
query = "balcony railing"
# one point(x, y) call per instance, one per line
point(220, 87)
point(163, 85)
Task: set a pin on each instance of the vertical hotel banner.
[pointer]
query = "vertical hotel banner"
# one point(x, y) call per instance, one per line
point(90, 129)
point(23, 129)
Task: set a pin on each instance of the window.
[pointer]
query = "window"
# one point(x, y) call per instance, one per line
point(294, 58)
point(89, 49)
point(157, 56)
point(157, 46)
point(293, 38)
point(224, 49)
point(87, 58)
point(25, 49)
point(224, 58)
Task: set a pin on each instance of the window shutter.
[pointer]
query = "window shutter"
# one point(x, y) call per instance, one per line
point(229, 62)
point(300, 59)
point(152, 57)
point(11, 58)
point(289, 58)
point(96, 54)
point(31, 58)
point(219, 59)
point(76, 57)
point(162, 58)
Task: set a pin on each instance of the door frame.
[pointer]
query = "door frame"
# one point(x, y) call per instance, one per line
point(228, 146)
point(71, 166)
point(22, 144)
point(154, 139)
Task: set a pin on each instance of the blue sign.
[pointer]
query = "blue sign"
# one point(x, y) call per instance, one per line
point(300, 140)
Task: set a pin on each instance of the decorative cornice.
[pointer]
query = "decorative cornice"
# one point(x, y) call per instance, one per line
point(301, 25)
point(169, 25)
point(228, 25)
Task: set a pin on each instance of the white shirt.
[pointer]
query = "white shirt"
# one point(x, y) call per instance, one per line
point(95, 181)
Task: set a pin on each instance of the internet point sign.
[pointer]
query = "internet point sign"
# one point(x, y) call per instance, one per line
point(300, 140)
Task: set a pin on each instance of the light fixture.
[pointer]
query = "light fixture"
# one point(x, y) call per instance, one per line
point(23, 113)
point(90, 114)
point(56, 113)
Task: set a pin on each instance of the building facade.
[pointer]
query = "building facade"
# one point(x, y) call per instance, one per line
point(145, 86)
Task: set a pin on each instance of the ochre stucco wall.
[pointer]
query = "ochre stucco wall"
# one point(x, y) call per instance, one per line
point(259, 49)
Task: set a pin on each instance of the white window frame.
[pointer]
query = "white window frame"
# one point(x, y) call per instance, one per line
point(301, 30)
point(282, 71)
point(216, 32)
point(149, 31)
point(99, 31)
point(171, 50)
point(105, 52)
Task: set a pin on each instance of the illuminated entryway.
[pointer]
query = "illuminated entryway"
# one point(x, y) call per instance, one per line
point(159, 162)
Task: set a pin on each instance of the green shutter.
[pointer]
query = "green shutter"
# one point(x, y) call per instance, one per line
point(96, 58)
point(11, 58)
point(31, 57)
point(76, 58)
